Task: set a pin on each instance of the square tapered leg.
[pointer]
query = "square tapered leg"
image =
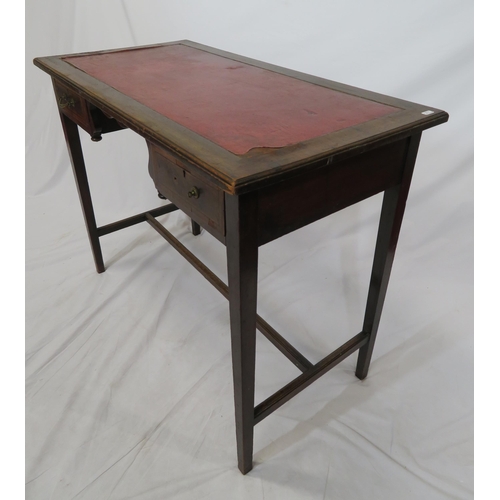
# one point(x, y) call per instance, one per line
point(242, 258)
point(391, 217)
point(73, 143)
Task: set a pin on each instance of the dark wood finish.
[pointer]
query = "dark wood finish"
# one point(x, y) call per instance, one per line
point(195, 228)
point(72, 105)
point(305, 198)
point(135, 219)
point(246, 200)
point(297, 385)
point(101, 124)
point(77, 162)
point(82, 112)
point(391, 217)
point(189, 256)
point(242, 256)
point(300, 361)
point(175, 180)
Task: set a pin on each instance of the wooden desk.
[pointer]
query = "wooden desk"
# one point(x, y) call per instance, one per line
point(251, 152)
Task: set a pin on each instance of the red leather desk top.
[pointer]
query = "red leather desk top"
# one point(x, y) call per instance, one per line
point(235, 105)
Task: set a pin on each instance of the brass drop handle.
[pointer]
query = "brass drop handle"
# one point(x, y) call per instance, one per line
point(194, 193)
point(65, 101)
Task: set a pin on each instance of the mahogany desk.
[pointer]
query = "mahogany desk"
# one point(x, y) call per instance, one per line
point(250, 151)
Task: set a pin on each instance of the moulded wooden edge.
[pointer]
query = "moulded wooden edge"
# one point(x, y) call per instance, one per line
point(260, 166)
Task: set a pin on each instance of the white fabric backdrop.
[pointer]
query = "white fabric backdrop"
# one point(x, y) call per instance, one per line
point(129, 392)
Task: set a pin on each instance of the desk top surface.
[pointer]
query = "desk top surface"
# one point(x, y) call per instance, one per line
point(235, 105)
point(239, 120)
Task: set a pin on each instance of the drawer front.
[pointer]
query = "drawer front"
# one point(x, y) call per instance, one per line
point(73, 106)
point(175, 179)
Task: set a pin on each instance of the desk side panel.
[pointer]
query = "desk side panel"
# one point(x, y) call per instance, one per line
point(292, 204)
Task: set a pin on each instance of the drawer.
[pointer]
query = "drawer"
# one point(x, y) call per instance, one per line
point(176, 179)
point(84, 114)
point(72, 105)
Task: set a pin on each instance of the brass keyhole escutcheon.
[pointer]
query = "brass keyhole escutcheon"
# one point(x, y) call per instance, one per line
point(194, 193)
point(65, 101)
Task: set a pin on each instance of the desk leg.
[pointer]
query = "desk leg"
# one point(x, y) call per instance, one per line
point(195, 228)
point(72, 136)
point(242, 261)
point(393, 208)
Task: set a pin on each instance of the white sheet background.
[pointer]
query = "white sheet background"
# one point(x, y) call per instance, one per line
point(129, 392)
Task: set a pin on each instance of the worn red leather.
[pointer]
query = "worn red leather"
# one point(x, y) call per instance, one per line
point(235, 105)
